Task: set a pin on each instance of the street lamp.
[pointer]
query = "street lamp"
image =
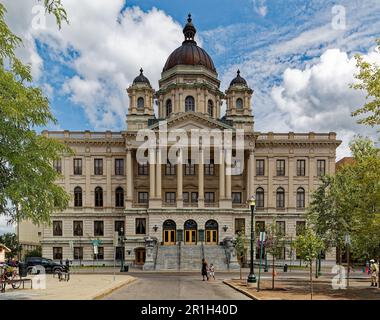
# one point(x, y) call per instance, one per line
point(121, 240)
point(252, 204)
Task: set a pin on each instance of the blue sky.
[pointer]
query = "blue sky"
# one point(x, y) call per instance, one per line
point(296, 55)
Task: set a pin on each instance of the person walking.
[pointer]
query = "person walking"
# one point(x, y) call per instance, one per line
point(212, 271)
point(204, 269)
point(374, 273)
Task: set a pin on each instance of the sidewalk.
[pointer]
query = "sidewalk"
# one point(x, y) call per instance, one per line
point(80, 287)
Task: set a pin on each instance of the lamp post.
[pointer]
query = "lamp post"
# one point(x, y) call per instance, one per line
point(252, 203)
point(121, 241)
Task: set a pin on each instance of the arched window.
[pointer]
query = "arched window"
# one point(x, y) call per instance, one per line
point(78, 197)
point(280, 198)
point(260, 198)
point(189, 104)
point(169, 108)
point(140, 103)
point(210, 108)
point(300, 198)
point(119, 197)
point(98, 197)
point(239, 103)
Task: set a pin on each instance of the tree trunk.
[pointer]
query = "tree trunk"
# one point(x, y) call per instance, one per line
point(273, 272)
point(311, 279)
point(240, 273)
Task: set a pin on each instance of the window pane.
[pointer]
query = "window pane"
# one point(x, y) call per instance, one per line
point(77, 166)
point(119, 167)
point(140, 225)
point(98, 166)
point(260, 167)
point(57, 228)
point(78, 228)
point(98, 228)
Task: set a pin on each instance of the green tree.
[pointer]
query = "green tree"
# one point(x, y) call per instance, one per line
point(11, 242)
point(274, 244)
point(27, 178)
point(308, 246)
point(34, 253)
point(240, 245)
point(369, 81)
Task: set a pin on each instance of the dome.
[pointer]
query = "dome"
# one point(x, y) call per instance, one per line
point(141, 78)
point(238, 80)
point(189, 53)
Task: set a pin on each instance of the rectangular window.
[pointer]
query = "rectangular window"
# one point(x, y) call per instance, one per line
point(98, 228)
point(143, 169)
point(57, 253)
point(300, 227)
point(301, 164)
point(57, 228)
point(185, 197)
point(119, 167)
point(239, 225)
point(190, 169)
point(321, 168)
point(209, 197)
point(100, 255)
point(140, 226)
point(194, 197)
point(236, 197)
point(210, 168)
point(170, 197)
point(119, 227)
point(260, 227)
point(57, 164)
point(260, 167)
point(280, 167)
point(78, 228)
point(78, 253)
point(143, 197)
point(77, 166)
point(170, 169)
point(280, 227)
point(98, 167)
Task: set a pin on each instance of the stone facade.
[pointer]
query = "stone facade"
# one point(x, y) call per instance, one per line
point(111, 190)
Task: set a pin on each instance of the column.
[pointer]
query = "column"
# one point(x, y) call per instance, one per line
point(109, 190)
point(291, 197)
point(201, 191)
point(129, 171)
point(179, 180)
point(222, 173)
point(158, 175)
point(251, 166)
point(228, 174)
point(152, 174)
point(88, 199)
point(271, 193)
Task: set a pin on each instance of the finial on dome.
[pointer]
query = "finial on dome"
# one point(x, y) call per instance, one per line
point(141, 71)
point(189, 30)
point(238, 72)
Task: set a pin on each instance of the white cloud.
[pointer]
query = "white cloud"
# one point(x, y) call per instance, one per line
point(319, 97)
point(4, 226)
point(105, 47)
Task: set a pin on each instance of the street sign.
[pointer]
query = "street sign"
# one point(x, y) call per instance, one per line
point(262, 236)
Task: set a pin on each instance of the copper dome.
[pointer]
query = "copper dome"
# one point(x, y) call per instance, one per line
point(189, 53)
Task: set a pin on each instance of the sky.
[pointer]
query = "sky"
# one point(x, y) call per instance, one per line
point(297, 56)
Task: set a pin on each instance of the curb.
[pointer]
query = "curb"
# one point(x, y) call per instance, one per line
point(248, 294)
point(106, 292)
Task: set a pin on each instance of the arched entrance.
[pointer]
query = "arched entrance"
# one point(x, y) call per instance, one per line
point(139, 256)
point(211, 228)
point(190, 227)
point(169, 232)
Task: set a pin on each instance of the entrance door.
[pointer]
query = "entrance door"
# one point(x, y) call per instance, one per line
point(190, 236)
point(140, 256)
point(211, 236)
point(169, 237)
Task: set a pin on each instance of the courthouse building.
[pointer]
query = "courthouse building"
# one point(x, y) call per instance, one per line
point(180, 211)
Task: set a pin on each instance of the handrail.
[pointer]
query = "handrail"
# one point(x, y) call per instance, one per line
point(202, 251)
point(155, 258)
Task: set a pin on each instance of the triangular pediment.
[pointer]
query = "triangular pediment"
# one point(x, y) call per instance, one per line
point(192, 120)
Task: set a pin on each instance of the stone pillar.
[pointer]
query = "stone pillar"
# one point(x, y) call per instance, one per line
point(228, 175)
point(179, 180)
point(291, 171)
point(222, 173)
point(158, 176)
point(88, 199)
point(149, 257)
point(271, 193)
point(129, 171)
point(201, 191)
point(109, 190)
point(251, 178)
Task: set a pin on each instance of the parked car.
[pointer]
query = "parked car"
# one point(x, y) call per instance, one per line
point(49, 265)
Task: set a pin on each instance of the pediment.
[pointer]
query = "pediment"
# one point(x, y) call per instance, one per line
point(192, 120)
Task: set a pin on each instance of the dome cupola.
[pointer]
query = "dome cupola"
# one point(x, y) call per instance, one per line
point(141, 78)
point(238, 80)
point(189, 53)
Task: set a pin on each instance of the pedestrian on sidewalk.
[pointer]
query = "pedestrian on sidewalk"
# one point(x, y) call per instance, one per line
point(374, 273)
point(212, 271)
point(204, 269)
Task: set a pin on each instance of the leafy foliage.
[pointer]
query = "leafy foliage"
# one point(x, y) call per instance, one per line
point(56, 8)
point(10, 241)
point(369, 80)
point(34, 253)
point(308, 245)
point(27, 178)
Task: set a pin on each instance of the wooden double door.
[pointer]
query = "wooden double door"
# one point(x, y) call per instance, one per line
point(169, 237)
point(211, 236)
point(191, 236)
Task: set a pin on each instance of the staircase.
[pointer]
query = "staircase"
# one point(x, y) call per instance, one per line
point(216, 255)
point(167, 258)
point(191, 257)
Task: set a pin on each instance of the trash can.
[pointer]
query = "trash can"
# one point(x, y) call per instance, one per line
point(126, 268)
point(22, 269)
point(285, 268)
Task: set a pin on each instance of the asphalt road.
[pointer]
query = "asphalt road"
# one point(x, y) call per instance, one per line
point(175, 286)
